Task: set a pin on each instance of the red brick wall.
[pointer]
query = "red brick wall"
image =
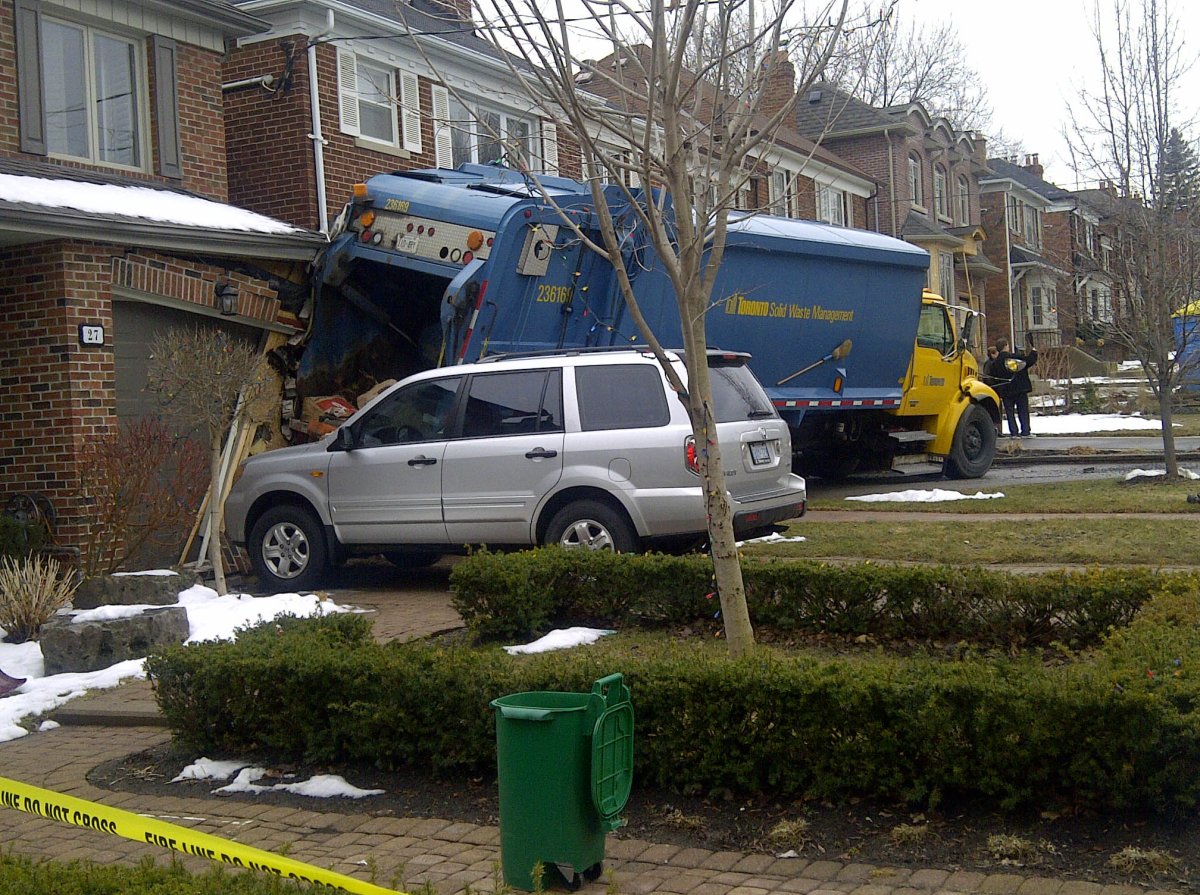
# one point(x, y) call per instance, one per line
point(271, 167)
point(57, 392)
point(201, 126)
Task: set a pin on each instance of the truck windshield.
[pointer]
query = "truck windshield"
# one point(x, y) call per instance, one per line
point(737, 395)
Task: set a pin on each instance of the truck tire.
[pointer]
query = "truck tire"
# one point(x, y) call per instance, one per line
point(590, 525)
point(287, 549)
point(974, 445)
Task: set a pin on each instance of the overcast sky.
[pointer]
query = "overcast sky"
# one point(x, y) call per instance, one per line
point(1034, 55)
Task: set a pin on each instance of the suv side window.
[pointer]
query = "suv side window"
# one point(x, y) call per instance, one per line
point(515, 403)
point(419, 412)
point(621, 396)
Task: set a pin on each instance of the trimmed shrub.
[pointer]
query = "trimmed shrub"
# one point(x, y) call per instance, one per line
point(515, 594)
point(1097, 732)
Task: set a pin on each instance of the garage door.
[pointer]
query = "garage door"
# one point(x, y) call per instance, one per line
point(135, 325)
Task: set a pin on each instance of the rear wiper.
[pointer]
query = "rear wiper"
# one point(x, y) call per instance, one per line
point(759, 414)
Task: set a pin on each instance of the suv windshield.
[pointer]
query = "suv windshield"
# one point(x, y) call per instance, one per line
point(737, 395)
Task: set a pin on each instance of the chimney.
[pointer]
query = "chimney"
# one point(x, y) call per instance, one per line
point(779, 83)
point(1032, 165)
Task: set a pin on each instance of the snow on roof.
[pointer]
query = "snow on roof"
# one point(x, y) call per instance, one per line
point(136, 202)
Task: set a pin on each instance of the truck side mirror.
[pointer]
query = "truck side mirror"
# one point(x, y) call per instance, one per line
point(343, 440)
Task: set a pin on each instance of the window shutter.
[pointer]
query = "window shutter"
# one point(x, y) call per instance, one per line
point(443, 143)
point(347, 64)
point(166, 108)
point(549, 147)
point(410, 111)
point(31, 111)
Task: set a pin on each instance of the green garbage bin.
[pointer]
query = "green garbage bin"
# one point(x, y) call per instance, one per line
point(565, 763)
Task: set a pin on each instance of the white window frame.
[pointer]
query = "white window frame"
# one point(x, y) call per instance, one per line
point(539, 132)
point(915, 185)
point(833, 206)
point(781, 199)
point(140, 104)
point(964, 200)
point(946, 275)
point(405, 105)
point(941, 203)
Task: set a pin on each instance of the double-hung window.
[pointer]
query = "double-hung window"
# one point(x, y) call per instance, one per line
point(964, 201)
point(378, 104)
point(941, 200)
point(914, 181)
point(487, 135)
point(92, 87)
point(781, 192)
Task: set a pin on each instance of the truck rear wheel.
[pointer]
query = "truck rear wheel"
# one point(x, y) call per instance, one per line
point(974, 445)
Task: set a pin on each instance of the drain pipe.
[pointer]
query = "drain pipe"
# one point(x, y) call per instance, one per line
point(318, 139)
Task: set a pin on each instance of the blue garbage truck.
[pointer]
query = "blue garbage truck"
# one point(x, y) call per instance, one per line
point(436, 267)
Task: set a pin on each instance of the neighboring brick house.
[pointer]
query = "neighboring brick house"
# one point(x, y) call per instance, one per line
point(1039, 234)
point(928, 181)
point(113, 222)
point(335, 91)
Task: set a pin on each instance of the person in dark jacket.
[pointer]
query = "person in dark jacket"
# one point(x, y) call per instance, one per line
point(1000, 379)
point(1017, 364)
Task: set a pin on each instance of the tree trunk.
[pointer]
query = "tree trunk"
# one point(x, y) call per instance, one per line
point(215, 515)
point(1168, 433)
point(727, 565)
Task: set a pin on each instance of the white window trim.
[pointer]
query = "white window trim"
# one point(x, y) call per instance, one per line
point(141, 105)
point(406, 108)
point(444, 124)
point(549, 147)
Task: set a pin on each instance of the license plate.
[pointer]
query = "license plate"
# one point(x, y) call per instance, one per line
point(407, 243)
point(759, 453)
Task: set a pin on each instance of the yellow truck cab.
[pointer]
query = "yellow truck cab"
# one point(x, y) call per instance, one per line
point(946, 411)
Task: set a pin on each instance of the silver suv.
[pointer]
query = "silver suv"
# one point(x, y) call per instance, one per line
point(583, 449)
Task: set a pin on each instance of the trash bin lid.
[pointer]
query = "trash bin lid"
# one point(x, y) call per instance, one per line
point(612, 760)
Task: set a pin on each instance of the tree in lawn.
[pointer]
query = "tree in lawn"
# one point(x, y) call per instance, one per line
point(682, 108)
point(207, 380)
point(1127, 132)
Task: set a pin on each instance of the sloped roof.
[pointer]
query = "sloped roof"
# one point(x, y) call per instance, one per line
point(828, 111)
point(1006, 170)
point(919, 226)
point(41, 201)
point(785, 136)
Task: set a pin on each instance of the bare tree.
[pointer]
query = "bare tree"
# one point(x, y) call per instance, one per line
point(1122, 134)
point(676, 105)
point(905, 62)
point(208, 380)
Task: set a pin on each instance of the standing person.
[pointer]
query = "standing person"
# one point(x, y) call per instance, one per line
point(995, 375)
point(1017, 365)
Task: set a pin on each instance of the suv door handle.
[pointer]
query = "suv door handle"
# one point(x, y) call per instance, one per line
point(540, 454)
point(422, 461)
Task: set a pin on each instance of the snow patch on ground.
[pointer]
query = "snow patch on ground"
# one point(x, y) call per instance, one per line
point(210, 617)
point(559, 638)
point(209, 769)
point(1083, 423)
point(322, 786)
point(1151, 473)
point(773, 538)
point(931, 495)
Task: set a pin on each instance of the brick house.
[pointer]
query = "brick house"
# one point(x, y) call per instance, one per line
point(333, 92)
point(1046, 242)
point(114, 222)
point(927, 177)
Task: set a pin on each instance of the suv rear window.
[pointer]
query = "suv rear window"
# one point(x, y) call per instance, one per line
point(737, 395)
point(620, 396)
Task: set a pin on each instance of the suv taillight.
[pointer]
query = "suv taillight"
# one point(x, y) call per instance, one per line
point(691, 459)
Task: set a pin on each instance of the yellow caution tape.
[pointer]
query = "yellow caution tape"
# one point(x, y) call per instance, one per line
point(82, 813)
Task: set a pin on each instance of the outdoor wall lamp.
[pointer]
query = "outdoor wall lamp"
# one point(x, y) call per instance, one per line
point(226, 297)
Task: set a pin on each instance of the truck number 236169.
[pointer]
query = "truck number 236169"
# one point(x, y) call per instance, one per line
point(556, 294)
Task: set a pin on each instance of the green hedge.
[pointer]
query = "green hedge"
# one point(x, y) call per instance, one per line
point(1119, 728)
point(512, 595)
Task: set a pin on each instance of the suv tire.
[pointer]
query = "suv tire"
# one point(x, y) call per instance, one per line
point(287, 549)
point(591, 525)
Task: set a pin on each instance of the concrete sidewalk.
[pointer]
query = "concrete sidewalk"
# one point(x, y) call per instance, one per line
point(448, 855)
